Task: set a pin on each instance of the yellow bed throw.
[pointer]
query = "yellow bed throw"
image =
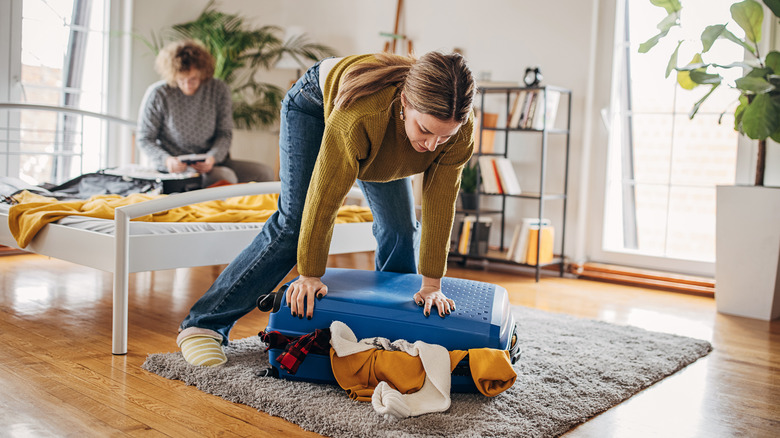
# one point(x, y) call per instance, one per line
point(33, 211)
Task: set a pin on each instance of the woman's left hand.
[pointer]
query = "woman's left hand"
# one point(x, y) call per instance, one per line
point(430, 295)
point(204, 166)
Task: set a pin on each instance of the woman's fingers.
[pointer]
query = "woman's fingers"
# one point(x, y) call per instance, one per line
point(302, 292)
point(444, 306)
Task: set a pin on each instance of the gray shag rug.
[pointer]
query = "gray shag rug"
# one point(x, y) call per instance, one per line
point(570, 369)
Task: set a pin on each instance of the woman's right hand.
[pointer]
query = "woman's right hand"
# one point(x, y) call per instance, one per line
point(302, 291)
point(175, 165)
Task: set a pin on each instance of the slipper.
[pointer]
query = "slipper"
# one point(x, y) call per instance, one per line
point(202, 351)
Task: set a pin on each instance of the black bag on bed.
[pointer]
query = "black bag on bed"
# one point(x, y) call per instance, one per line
point(99, 183)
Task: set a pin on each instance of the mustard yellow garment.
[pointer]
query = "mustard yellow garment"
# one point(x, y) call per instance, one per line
point(35, 211)
point(368, 141)
point(359, 373)
point(491, 370)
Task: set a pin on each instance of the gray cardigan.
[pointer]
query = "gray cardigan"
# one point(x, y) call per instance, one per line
point(171, 123)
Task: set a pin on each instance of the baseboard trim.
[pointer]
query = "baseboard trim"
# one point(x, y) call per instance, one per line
point(8, 250)
point(646, 278)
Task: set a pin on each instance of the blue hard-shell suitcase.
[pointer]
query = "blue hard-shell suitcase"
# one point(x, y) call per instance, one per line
point(380, 304)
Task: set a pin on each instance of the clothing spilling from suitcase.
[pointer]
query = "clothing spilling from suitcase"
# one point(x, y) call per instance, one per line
point(368, 337)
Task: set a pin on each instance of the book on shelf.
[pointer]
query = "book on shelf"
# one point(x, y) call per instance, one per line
point(510, 185)
point(521, 240)
point(543, 238)
point(517, 108)
point(510, 255)
point(529, 113)
point(474, 235)
point(553, 98)
point(487, 173)
point(484, 143)
point(498, 176)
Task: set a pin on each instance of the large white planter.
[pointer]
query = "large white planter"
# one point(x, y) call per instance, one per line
point(747, 267)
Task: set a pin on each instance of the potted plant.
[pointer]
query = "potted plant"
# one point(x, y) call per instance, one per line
point(747, 231)
point(468, 186)
point(241, 52)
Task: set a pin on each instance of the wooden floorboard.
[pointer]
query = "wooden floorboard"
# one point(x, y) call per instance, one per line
point(58, 377)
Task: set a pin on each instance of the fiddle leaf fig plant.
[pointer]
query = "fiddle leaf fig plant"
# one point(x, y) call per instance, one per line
point(757, 114)
point(241, 53)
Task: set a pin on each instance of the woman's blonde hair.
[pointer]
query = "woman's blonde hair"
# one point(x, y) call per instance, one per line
point(181, 57)
point(438, 84)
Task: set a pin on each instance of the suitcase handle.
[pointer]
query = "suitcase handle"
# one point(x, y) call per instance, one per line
point(514, 346)
point(271, 302)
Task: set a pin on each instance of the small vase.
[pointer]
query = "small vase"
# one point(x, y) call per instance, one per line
point(469, 201)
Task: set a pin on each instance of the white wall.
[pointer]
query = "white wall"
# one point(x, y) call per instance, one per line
point(501, 37)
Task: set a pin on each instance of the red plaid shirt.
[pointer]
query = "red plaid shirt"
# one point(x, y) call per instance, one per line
point(296, 348)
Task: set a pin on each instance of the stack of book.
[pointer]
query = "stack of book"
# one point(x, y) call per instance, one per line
point(528, 111)
point(526, 241)
point(473, 236)
point(498, 176)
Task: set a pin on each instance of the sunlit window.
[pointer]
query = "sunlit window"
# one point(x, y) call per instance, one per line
point(663, 167)
point(63, 63)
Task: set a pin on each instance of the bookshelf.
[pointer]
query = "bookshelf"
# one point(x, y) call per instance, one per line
point(543, 127)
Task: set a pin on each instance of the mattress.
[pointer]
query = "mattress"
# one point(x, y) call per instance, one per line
point(106, 226)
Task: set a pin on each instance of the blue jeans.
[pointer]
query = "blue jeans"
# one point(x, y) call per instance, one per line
point(262, 265)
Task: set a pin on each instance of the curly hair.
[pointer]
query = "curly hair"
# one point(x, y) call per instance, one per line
point(438, 84)
point(181, 57)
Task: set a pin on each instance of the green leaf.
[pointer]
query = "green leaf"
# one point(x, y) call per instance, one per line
point(743, 103)
point(693, 66)
point(761, 118)
point(669, 22)
point(698, 104)
point(774, 80)
point(774, 6)
point(649, 44)
point(773, 61)
point(684, 76)
point(672, 64)
point(671, 6)
point(754, 85)
point(733, 65)
point(749, 15)
point(761, 72)
point(731, 37)
point(702, 77)
point(710, 34)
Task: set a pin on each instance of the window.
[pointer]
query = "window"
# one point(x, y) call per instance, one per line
point(662, 166)
point(58, 51)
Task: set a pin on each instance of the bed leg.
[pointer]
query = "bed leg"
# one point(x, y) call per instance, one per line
point(121, 280)
point(119, 340)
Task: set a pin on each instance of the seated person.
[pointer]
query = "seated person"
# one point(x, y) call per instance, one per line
point(191, 112)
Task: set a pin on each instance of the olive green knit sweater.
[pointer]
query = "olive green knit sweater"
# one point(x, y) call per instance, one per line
point(367, 141)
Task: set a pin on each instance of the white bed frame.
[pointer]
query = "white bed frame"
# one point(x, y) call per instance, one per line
point(122, 253)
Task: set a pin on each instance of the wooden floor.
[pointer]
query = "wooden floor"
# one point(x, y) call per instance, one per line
point(58, 378)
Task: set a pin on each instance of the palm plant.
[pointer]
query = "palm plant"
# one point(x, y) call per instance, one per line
point(241, 52)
